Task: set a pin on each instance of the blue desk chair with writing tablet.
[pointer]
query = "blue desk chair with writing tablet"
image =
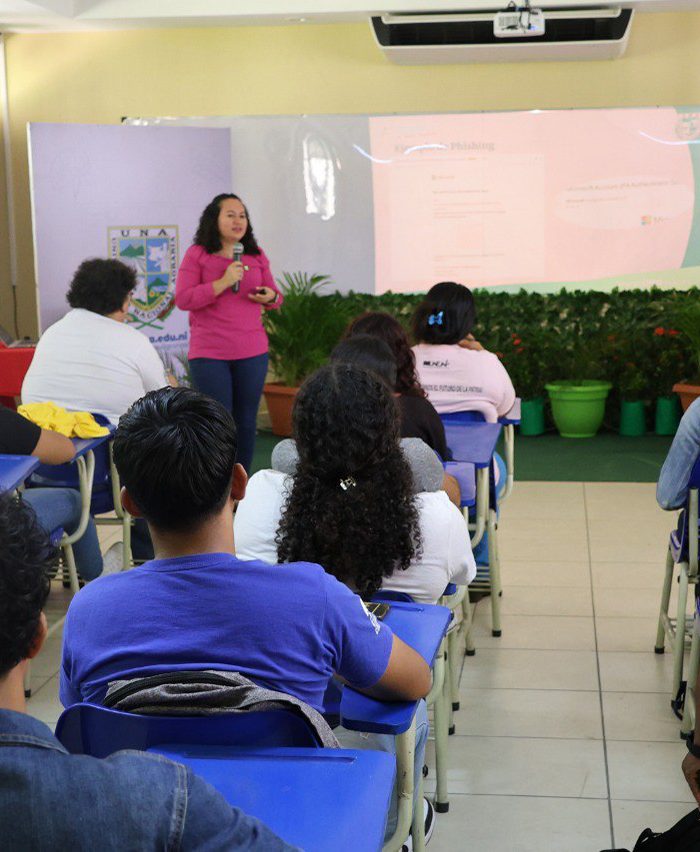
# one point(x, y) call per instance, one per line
point(268, 763)
point(683, 552)
point(93, 463)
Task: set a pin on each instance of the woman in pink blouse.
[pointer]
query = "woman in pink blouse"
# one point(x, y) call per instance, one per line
point(225, 298)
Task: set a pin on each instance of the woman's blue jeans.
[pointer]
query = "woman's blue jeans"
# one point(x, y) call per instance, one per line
point(60, 507)
point(238, 386)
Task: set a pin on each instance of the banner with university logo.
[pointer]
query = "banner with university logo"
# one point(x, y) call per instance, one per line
point(130, 193)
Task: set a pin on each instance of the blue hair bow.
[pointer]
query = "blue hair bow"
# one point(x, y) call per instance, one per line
point(435, 318)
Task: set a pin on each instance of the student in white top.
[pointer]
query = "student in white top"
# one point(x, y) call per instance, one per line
point(457, 373)
point(91, 360)
point(349, 499)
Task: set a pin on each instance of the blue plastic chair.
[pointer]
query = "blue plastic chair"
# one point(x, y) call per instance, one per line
point(268, 763)
point(104, 497)
point(683, 552)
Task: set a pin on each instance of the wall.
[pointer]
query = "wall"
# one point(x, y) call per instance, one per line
point(100, 77)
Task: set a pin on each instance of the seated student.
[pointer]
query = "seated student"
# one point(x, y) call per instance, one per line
point(54, 507)
point(672, 487)
point(418, 416)
point(455, 370)
point(351, 505)
point(288, 628)
point(52, 800)
point(91, 360)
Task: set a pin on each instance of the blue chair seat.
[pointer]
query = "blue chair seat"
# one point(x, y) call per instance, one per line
point(465, 474)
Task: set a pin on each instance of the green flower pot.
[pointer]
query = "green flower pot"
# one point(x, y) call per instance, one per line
point(532, 416)
point(632, 420)
point(578, 407)
point(667, 415)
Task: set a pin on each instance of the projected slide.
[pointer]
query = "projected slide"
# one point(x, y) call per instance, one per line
point(532, 198)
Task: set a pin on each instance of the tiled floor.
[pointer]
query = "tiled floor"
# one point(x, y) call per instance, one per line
point(565, 738)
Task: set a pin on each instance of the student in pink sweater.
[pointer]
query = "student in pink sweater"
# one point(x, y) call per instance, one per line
point(226, 298)
point(457, 373)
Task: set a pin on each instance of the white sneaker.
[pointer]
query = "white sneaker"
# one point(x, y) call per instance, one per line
point(429, 817)
point(113, 560)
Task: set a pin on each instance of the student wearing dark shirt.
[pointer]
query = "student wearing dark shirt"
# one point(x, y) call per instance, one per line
point(54, 507)
point(50, 799)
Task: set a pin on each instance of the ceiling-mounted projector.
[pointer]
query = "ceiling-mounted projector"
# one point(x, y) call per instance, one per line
point(518, 22)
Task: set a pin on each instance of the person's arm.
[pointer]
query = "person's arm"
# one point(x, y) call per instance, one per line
point(212, 823)
point(368, 655)
point(672, 487)
point(451, 487)
point(268, 295)
point(406, 678)
point(191, 293)
point(53, 448)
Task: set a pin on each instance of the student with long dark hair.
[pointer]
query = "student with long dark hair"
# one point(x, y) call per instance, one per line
point(225, 297)
point(418, 416)
point(457, 373)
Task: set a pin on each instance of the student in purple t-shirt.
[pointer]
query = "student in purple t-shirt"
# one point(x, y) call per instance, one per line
point(196, 606)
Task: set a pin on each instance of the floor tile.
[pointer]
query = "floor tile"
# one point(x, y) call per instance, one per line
point(627, 634)
point(611, 541)
point(525, 600)
point(529, 713)
point(631, 818)
point(48, 662)
point(44, 704)
point(510, 668)
point(628, 575)
point(551, 574)
point(567, 633)
point(647, 771)
point(643, 716)
point(511, 766)
point(631, 500)
point(560, 540)
point(629, 672)
point(522, 824)
point(538, 500)
point(635, 603)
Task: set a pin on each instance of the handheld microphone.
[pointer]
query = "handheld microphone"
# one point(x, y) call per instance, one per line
point(237, 254)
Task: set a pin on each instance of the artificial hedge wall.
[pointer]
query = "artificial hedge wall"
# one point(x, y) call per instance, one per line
point(629, 337)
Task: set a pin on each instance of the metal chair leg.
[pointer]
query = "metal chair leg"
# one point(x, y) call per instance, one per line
point(679, 638)
point(688, 722)
point(665, 599)
point(494, 575)
point(467, 625)
point(405, 759)
point(441, 684)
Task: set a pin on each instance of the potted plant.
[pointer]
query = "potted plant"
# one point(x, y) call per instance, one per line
point(525, 361)
point(301, 334)
point(578, 402)
point(668, 357)
point(687, 321)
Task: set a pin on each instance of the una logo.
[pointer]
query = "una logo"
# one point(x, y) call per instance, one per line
point(152, 251)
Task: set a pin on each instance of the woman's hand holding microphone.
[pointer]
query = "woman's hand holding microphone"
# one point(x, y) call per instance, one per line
point(230, 279)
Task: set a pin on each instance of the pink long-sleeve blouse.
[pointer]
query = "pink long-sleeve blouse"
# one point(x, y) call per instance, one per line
point(227, 327)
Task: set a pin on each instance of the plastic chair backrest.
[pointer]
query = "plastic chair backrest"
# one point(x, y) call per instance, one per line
point(387, 595)
point(694, 481)
point(100, 731)
point(463, 417)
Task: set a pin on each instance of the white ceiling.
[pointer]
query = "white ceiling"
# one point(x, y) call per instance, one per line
point(48, 15)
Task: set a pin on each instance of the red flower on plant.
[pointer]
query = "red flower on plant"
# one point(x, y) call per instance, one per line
point(499, 354)
point(520, 350)
point(517, 341)
point(659, 331)
point(673, 332)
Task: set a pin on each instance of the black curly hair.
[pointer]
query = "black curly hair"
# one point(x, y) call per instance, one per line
point(208, 236)
point(346, 427)
point(101, 285)
point(452, 309)
point(389, 329)
point(26, 561)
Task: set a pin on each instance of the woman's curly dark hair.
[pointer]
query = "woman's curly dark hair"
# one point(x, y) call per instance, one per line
point(208, 236)
point(101, 285)
point(26, 558)
point(389, 329)
point(346, 428)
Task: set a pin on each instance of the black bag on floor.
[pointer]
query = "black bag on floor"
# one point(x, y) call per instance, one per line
point(683, 837)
